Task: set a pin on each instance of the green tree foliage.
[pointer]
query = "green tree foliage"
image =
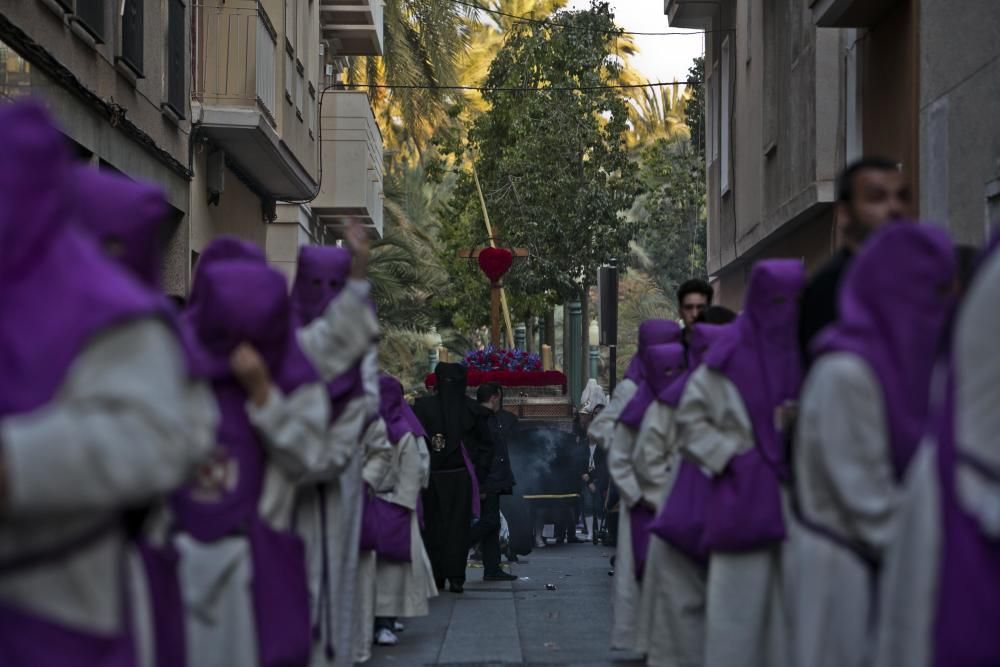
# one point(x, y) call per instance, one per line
point(672, 212)
point(694, 112)
point(553, 164)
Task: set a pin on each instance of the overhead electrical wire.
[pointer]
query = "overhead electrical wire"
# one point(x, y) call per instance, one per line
point(549, 22)
point(484, 88)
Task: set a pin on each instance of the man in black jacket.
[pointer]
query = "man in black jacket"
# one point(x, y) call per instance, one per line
point(499, 481)
point(458, 435)
point(870, 193)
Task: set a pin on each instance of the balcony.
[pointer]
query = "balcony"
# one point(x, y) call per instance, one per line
point(235, 95)
point(849, 13)
point(694, 14)
point(354, 25)
point(352, 162)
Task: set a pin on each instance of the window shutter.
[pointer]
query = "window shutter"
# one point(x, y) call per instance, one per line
point(175, 57)
point(132, 35)
point(91, 16)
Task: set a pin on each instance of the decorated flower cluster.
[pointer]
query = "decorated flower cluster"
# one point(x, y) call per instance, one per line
point(502, 359)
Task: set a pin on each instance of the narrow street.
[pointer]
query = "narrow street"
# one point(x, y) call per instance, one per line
point(520, 623)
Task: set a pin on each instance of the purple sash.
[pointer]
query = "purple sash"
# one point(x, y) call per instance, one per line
point(385, 528)
point(280, 597)
point(476, 509)
point(27, 640)
point(160, 569)
point(968, 606)
point(392, 540)
point(640, 518)
point(744, 510)
point(682, 521)
point(222, 501)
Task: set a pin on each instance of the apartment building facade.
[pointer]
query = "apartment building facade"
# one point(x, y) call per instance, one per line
point(218, 101)
point(795, 89)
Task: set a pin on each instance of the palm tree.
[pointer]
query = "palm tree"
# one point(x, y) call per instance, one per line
point(424, 40)
point(658, 113)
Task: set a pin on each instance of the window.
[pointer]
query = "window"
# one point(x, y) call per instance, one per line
point(710, 112)
point(176, 78)
point(90, 16)
point(132, 35)
point(724, 119)
point(289, 71)
point(300, 85)
point(311, 111)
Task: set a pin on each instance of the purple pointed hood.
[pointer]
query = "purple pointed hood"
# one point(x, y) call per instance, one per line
point(894, 307)
point(57, 289)
point(395, 411)
point(662, 365)
point(651, 332)
point(758, 353)
point(321, 276)
point(127, 218)
point(702, 338)
point(246, 301)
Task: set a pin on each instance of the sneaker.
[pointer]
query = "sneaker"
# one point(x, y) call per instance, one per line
point(385, 637)
point(539, 542)
point(500, 576)
point(397, 626)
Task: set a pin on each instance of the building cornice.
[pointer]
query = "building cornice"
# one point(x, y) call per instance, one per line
point(114, 114)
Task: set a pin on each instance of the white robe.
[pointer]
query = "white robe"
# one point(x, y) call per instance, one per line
point(625, 594)
point(379, 475)
point(655, 470)
point(403, 589)
point(334, 343)
point(909, 586)
point(109, 438)
point(602, 428)
point(746, 612)
point(216, 576)
point(845, 485)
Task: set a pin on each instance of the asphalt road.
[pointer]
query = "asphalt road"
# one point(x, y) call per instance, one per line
point(519, 623)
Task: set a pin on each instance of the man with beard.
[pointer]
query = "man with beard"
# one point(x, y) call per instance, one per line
point(461, 454)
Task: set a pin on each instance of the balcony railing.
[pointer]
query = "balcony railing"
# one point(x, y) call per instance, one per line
point(236, 98)
point(352, 161)
point(355, 24)
point(237, 46)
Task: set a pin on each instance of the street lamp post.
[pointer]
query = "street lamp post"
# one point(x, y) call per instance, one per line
point(595, 350)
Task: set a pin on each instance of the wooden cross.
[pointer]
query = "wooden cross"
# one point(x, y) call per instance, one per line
point(498, 296)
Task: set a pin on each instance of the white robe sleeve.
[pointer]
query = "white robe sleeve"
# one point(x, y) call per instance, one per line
point(603, 427)
point(126, 425)
point(844, 474)
point(344, 333)
point(713, 420)
point(294, 429)
point(378, 469)
point(409, 466)
point(620, 464)
point(653, 449)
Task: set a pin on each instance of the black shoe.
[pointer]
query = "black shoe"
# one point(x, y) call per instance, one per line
point(500, 576)
point(457, 586)
point(440, 584)
point(574, 540)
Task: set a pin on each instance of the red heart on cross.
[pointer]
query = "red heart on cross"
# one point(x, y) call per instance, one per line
point(495, 262)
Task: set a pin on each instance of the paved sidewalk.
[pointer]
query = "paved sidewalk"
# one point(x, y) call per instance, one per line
point(519, 623)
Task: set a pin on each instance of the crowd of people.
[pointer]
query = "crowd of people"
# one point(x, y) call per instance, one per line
point(222, 480)
point(816, 481)
point(231, 481)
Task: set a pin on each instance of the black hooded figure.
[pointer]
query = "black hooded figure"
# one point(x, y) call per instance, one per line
point(452, 420)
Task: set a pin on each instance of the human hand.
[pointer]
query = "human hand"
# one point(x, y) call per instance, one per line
point(482, 496)
point(586, 477)
point(357, 242)
point(592, 487)
point(251, 371)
